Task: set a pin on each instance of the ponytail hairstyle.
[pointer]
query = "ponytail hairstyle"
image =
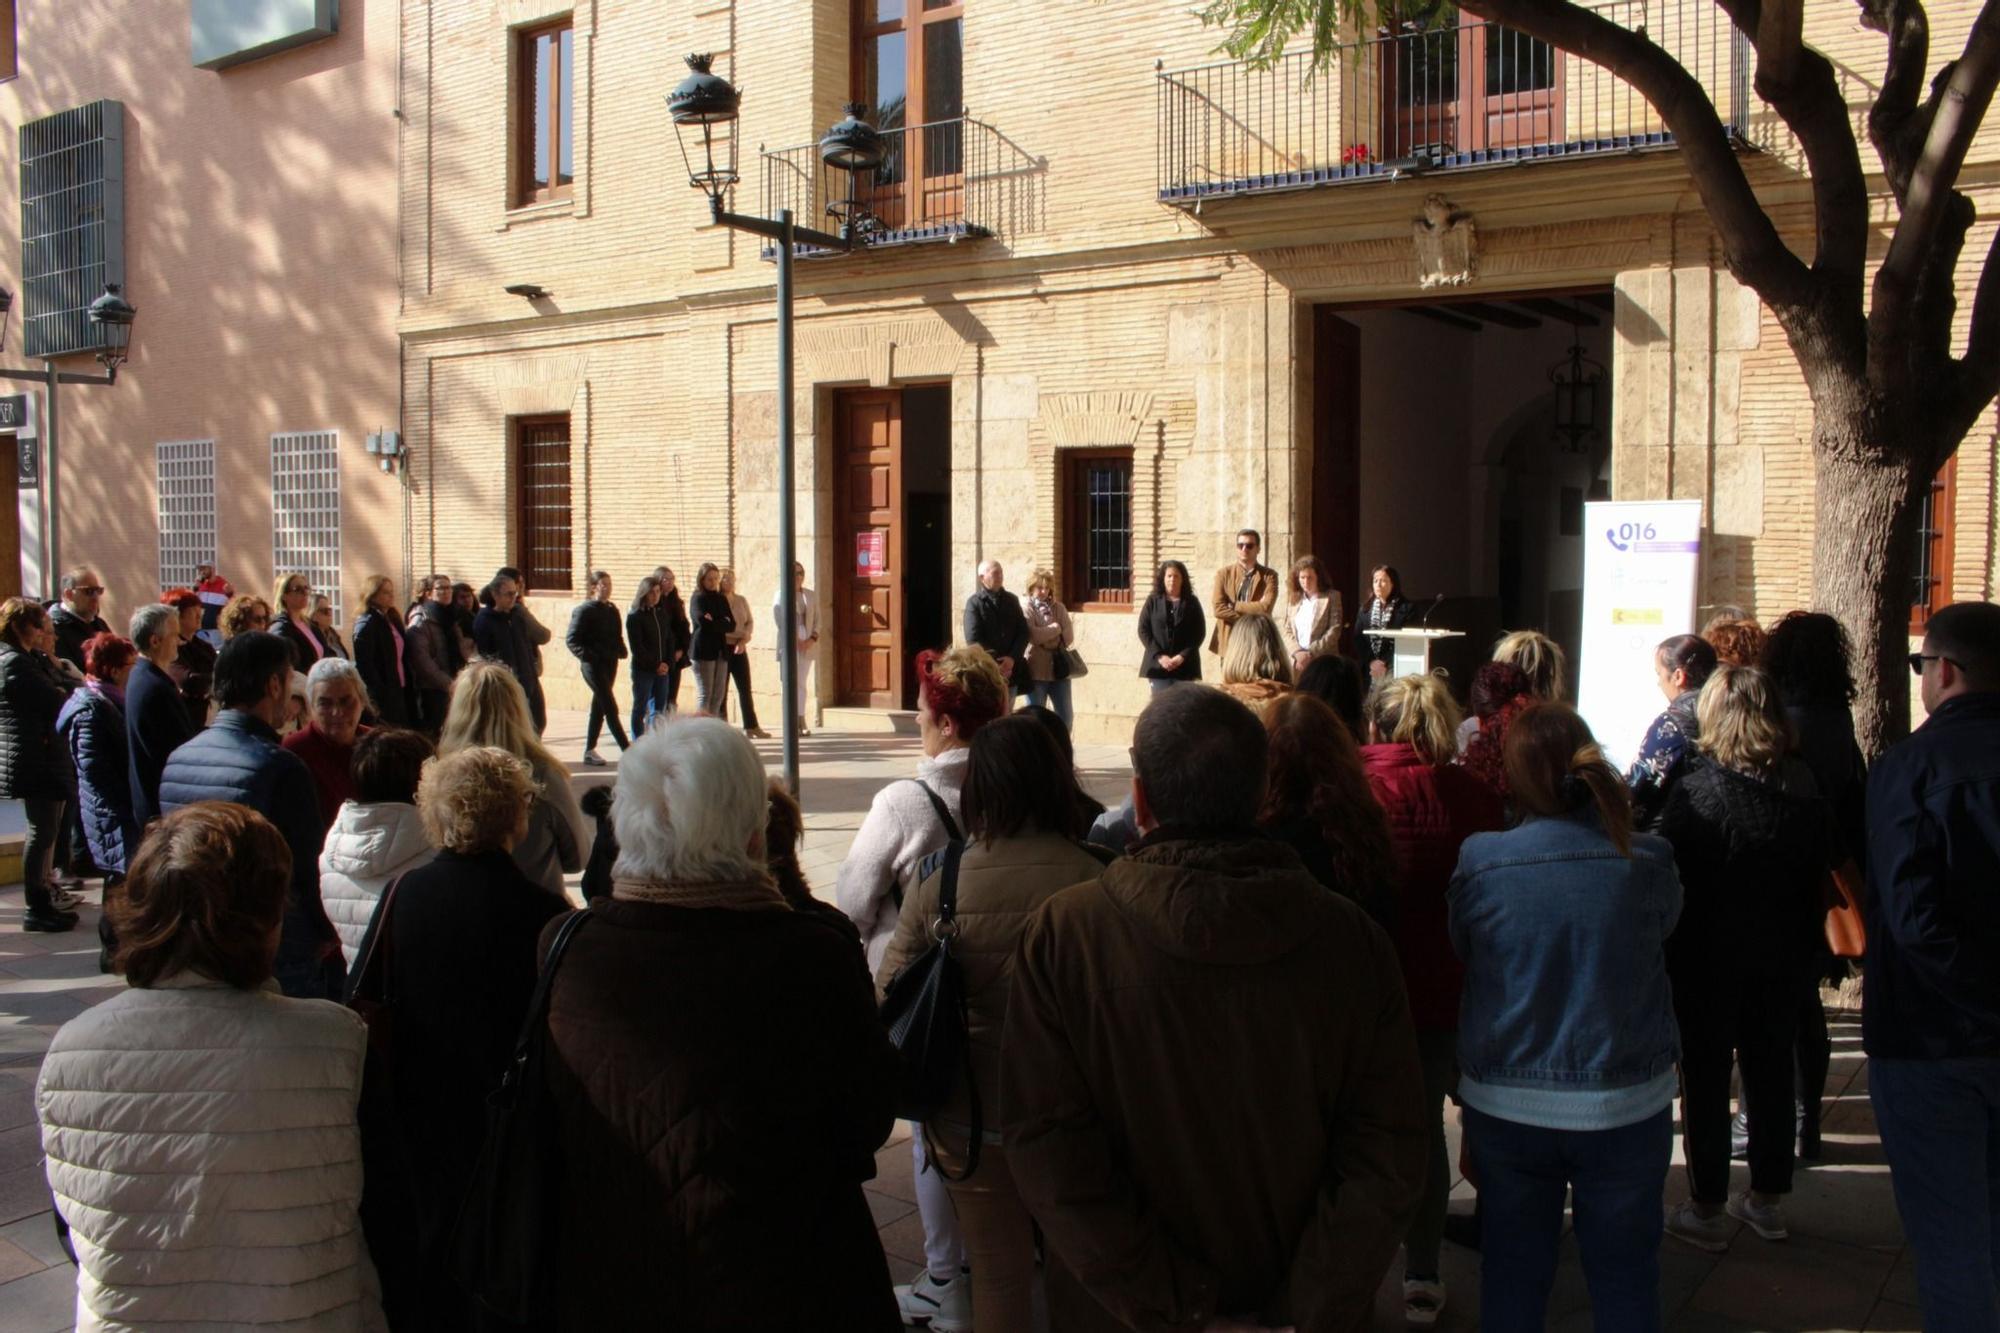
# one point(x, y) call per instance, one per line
point(1417, 711)
point(1554, 768)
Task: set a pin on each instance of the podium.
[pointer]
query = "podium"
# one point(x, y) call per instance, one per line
point(1412, 647)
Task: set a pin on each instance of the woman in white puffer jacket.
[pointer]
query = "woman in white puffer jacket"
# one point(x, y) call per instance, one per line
point(376, 836)
point(200, 1128)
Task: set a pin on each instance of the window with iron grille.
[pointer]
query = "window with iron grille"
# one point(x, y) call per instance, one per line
point(542, 502)
point(186, 472)
point(305, 510)
point(1935, 529)
point(1097, 527)
point(544, 162)
point(72, 224)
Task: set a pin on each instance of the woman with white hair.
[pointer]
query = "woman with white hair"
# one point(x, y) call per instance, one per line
point(720, 1078)
point(488, 707)
point(335, 696)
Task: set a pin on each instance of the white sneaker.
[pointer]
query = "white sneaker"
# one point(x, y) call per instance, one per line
point(1766, 1219)
point(1423, 1301)
point(945, 1307)
point(592, 759)
point(1704, 1233)
point(63, 900)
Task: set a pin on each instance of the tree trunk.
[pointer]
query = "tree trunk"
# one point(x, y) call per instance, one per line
point(1863, 564)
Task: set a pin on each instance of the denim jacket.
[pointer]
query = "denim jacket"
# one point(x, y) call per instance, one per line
point(1564, 943)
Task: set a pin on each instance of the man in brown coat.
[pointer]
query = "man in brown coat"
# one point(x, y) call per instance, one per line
point(1213, 1104)
point(1244, 586)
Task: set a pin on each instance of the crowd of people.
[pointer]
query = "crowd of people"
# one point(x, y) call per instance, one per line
point(1211, 1036)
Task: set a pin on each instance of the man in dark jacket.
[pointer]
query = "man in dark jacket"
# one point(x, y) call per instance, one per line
point(433, 656)
point(994, 621)
point(76, 617)
point(156, 717)
point(1214, 1103)
point(597, 643)
point(1930, 1017)
point(238, 758)
point(502, 634)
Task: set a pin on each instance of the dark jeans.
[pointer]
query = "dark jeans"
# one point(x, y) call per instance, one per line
point(1940, 1123)
point(1815, 1053)
point(1753, 1018)
point(432, 705)
point(1614, 1178)
point(45, 822)
point(603, 705)
point(1438, 1053)
point(739, 671)
point(538, 708)
point(652, 699)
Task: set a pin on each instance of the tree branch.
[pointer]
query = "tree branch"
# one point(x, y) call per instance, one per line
point(1979, 369)
point(1757, 253)
point(1896, 126)
point(1930, 202)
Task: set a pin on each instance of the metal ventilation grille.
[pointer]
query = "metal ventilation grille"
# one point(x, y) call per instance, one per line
point(305, 510)
point(72, 223)
point(187, 509)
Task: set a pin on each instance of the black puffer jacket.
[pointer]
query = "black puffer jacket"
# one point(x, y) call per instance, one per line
point(1753, 855)
point(34, 764)
point(594, 638)
point(649, 631)
point(73, 631)
point(714, 622)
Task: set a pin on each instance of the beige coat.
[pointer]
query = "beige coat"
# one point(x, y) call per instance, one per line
point(1048, 634)
point(1325, 629)
point(999, 888)
point(1224, 606)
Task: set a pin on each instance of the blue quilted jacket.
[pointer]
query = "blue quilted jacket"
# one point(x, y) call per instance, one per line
point(92, 725)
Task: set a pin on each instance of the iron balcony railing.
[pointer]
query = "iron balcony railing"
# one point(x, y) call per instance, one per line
point(1411, 99)
point(945, 181)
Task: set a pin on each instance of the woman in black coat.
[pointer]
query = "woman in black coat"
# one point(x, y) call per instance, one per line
point(35, 767)
point(1171, 626)
point(378, 652)
point(1750, 838)
point(597, 643)
point(680, 641)
point(292, 621)
point(713, 622)
point(1385, 608)
point(461, 932)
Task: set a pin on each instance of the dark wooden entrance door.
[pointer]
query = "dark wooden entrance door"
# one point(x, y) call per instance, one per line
point(1457, 84)
point(1336, 464)
point(868, 509)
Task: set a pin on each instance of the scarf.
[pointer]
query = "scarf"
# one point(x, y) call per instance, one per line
point(105, 689)
point(305, 627)
point(758, 894)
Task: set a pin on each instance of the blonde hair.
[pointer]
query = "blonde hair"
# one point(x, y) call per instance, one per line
point(20, 616)
point(1540, 659)
point(278, 592)
point(1741, 720)
point(473, 800)
point(488, 707)
point(1040, 577)
point(371, 585)
point(1417, 711)
point(1255, 651)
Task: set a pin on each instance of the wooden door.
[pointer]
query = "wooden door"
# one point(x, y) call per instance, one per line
point(868, 610)
point(1336, 462)
point(1420, 83)
point(1513, 88)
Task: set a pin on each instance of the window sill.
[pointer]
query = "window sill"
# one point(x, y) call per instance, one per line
point(1089, 608)
point(553, 208)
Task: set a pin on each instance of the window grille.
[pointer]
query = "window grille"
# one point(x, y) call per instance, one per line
point(305, 510)
point(1098, 531)
point(187, 509)
point(543, 502)
point(72, 224)
point(1936, 529)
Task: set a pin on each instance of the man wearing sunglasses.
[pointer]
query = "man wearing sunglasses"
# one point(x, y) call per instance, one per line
point(76, 619)
point(1242, 586)
point(1930, 1018)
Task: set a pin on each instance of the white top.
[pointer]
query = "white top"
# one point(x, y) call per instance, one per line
point(901, 829)
point(1305, 618)
point(367, 847)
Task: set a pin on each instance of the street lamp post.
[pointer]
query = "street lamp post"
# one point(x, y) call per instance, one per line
point(111, 315)
point(702, 102)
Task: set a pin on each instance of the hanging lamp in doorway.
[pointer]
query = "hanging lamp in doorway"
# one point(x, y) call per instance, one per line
point(1576, 379)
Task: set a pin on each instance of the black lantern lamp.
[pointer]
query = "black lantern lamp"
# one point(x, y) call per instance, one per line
point(1576, 379)
point(856, 148)
point(705, 101)
point(111, 317)
point(6, 308)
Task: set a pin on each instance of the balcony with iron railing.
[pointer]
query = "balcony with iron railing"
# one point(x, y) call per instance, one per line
point(950, 180)
point(1458, 94)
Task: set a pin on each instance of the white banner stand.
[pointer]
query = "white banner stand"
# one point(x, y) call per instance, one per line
point(1641, 572)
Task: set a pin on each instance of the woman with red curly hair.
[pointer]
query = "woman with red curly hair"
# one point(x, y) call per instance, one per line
point(1500, 691)
point(1319, 802)
point(958, 692)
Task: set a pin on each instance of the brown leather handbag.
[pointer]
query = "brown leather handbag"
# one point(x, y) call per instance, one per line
point(1845, 933)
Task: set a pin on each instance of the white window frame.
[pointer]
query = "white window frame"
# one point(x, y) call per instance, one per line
point(185, 481)
point(305, 510)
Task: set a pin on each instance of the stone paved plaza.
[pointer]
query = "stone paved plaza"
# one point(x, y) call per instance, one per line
point(1845, 1267)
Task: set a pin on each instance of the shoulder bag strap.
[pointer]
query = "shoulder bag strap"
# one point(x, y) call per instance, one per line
point(948, 912)
point(943, 810)
point(374, 944)
point(538, 1005)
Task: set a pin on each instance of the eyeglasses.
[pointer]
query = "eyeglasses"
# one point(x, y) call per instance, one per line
point(1917, 661)
point(1246, 546)
point(94, 590)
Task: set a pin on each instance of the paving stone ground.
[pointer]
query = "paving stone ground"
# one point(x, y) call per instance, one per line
point(1845, 1268)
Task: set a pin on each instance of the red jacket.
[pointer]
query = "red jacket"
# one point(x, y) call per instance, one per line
point(1431, 811)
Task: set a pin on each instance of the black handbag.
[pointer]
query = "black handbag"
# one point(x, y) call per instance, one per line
point(504, 1250)
point(924, 1009)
